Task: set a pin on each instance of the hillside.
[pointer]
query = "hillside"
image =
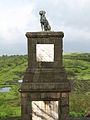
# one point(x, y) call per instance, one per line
point(12, 69)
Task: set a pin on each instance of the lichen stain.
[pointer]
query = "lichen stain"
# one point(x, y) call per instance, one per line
point(47, 110)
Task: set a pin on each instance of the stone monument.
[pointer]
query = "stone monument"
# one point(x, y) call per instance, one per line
point(45, 87)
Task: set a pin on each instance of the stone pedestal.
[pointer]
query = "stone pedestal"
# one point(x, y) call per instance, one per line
point(45, 81)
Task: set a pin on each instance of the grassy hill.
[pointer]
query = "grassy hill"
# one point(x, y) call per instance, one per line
point(12, 69)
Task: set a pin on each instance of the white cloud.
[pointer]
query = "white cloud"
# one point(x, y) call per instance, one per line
point(70, 16)
point(16, 21)
point(76, 35)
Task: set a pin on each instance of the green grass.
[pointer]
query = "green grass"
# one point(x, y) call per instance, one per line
point(11, 68)
point(10, 103)
point(77, 67)
point(79, 104)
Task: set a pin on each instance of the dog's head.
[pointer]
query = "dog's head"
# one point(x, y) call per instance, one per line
point(42, 12)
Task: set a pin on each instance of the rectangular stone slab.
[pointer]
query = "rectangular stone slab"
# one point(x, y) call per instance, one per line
point(45, 87)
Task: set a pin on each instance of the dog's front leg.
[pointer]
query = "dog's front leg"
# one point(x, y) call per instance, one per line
point(42, 26)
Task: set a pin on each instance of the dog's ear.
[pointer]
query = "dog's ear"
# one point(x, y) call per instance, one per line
point(40, 12)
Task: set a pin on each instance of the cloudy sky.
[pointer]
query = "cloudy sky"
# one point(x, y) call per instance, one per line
point(19, 16)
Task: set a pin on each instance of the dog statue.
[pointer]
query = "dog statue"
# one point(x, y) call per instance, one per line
point(44, 22)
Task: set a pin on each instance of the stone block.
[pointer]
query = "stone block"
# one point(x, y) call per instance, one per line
point(45, 81)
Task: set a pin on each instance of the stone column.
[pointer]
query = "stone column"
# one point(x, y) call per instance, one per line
point(24, 106)
point(65, 106)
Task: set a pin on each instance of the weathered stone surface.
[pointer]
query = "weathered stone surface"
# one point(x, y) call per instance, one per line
point(47, 87)
point(45, 35)
point(45, 81)
point(47, 110)
point(54, 75)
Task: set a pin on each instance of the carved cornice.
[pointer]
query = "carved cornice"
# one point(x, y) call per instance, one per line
point(46, 87)
point(44, 34)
